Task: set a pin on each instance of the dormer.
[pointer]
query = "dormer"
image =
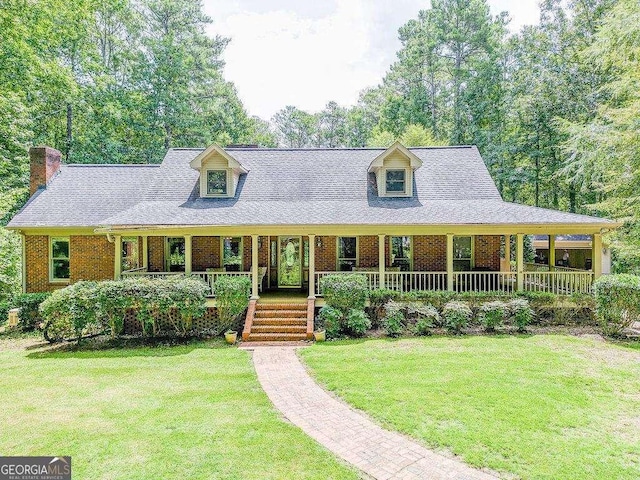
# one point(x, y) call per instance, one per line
point(394, 169)
point(219, 172)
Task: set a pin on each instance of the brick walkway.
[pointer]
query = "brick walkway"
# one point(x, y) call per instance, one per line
point(347, 433)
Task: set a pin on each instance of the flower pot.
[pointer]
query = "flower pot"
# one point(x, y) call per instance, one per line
point(230, 337)
point(320, 335)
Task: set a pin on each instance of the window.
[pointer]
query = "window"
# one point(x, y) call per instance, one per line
point(462, 254)
point(401, 253)
point(175, 254)
point(59, 255)
point(396, 181)
point(130, 253)
point(216, 182)
point(232, 254)
point(347, 253)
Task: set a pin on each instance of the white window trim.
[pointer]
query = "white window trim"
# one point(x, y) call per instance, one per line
point(391, 249)
point(51, 278)
point(204, 192)
point(338, 257)
point(241, 250)
point(407, 182)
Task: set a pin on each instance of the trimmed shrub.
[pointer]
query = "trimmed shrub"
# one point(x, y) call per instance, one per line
point(90, 307)
point(357, 323)
point(4, 312)
point(426, 318)
point(232, 298)
point(492, 314)
point(378, 298)
point(330, 319)
point(520, 313)
point(29, 304)
point(456, 315)
point(393, 321)
point(345, 292)
point(617, 299)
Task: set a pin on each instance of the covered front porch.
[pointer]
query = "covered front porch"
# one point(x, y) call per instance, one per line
point(460, 262)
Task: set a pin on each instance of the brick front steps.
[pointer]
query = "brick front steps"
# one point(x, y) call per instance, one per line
point(278, 322)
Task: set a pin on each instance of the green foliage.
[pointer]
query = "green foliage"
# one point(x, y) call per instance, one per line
point(4, 312)
point(92, 307)
point(356, 323)
point(232, 298)
point(29, 313)
point(330, 319)
point(617, 299)
point(520, 313)
point(345, 292)
point(492, 314)
point(10, 264)
point(456, 315)
point(394, 319)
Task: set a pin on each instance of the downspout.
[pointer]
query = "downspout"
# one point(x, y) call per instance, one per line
point(24, 262)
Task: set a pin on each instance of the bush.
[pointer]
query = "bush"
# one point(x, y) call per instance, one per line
point(29, 304)
point(426, 317)
point(492, 314)
point(357, 323)
point(90, 307)
point(456, 315)
point(393, 320)
point(345, 292)
point(232, 298)
point(520, 313)
point(617, 300)
point(4, 312)
point(378, 298)
point(330, 319)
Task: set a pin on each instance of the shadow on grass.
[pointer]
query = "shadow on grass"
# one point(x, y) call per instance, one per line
point(105, 347)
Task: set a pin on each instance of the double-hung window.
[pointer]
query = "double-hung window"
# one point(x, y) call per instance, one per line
point(59, 259)
point(217, 182)
point(396, 182)
point(130, 253)
point(232, 254)
point(347, 253)
point(401, 253)
point(462, 254)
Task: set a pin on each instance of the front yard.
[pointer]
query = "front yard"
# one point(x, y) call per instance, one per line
point(546, 406)
point(189, 411)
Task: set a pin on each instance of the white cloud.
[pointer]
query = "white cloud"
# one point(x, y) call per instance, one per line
point(287, 52)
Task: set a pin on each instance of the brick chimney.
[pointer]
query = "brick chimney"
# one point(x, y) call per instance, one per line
point(45, 163)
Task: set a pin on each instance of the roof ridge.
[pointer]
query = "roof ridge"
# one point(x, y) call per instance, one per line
point(111, 164)
point(316, 149)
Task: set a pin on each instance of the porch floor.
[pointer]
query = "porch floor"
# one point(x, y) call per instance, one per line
point(279, 296)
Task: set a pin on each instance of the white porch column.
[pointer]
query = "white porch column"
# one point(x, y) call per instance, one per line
point(312, 266)
point(552, 252)
point(450, 262)
point(145, 252)
point(596, 255)
point(507, 251)
point(187, 254)
point(254, 267)
point(381, 261)
point(520, 260)
point(117, 267)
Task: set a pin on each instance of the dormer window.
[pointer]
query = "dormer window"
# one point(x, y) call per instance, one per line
point(217, 182)
point(396, 182)
point(219, 172)
point(394, 169)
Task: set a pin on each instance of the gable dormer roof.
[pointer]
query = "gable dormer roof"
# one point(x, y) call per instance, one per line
point(212, 150)
point(413, 159)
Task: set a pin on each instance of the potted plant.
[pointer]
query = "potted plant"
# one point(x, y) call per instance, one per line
point(230, 336)
point(320, 335)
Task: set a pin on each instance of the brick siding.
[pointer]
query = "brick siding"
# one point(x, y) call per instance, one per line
point(487, 251)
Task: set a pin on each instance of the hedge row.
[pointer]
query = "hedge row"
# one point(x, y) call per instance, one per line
point(617, 302)
point(28, 305)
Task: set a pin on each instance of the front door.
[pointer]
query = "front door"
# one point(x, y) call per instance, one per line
point(289, 262)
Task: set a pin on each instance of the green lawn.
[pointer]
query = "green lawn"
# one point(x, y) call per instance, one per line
point(149, 413)
point(552, 407)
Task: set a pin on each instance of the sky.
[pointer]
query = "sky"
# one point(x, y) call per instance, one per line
point(309, 52)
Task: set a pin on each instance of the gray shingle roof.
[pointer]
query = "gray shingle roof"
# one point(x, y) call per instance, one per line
point(285, 186)
point(84, 195)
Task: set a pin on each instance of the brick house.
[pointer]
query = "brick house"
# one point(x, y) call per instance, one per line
point(406, 218)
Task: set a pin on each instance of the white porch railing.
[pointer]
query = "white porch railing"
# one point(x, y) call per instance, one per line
point(208, 277)
point(373, 279)
point(484, 281)
point(407, 281)
point(559, 282)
